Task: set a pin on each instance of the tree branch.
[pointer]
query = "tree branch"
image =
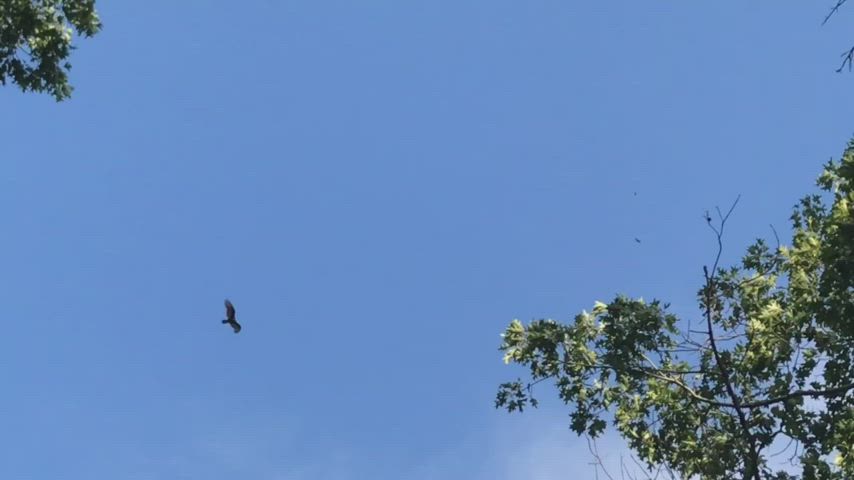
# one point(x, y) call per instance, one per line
point(847, 59)
point(833, 10)
point(749, 438)
point(826, 393)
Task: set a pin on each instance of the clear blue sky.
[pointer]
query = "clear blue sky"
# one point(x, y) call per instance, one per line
point(380, 187)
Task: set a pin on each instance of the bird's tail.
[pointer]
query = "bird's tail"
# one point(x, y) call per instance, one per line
point(225, 321)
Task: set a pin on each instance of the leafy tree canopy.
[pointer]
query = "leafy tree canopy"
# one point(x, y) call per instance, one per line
point(35, 42)
point(769, 362)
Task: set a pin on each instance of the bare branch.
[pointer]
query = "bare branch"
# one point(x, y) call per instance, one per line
point(594, 450)
point(776, 237)
point(833, 10)
point(847, 59)
point(719, 233)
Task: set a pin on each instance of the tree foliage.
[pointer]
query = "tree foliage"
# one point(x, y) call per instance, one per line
point(768, 363)
point(36, 41)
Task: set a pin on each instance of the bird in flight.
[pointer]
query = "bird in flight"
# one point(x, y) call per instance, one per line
point(230, 316)
point(637, 240)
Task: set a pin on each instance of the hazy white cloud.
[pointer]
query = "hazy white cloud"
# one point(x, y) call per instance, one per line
point(535, 446)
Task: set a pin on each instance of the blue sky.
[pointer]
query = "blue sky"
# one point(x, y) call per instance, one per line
point(380, 187)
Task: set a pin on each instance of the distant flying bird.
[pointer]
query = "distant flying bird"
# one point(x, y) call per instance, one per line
point(230, 316)
point(637, 240)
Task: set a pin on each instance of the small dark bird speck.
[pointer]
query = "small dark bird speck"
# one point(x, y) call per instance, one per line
point(230, 316)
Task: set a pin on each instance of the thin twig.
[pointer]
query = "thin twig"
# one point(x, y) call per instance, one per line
point(833, 10)
point(591, 445)
point(847, 59)
point(776, 237)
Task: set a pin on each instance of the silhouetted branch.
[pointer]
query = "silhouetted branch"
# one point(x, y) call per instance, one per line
point(833, 10)
point(847, 59)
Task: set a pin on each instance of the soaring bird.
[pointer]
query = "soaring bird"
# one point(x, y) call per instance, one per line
point(229, 316)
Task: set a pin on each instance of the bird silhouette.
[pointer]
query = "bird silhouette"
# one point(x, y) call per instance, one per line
point(230, 316)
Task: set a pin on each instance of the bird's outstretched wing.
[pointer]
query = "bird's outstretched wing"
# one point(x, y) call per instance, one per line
point(229, 311)
point(235, 326)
